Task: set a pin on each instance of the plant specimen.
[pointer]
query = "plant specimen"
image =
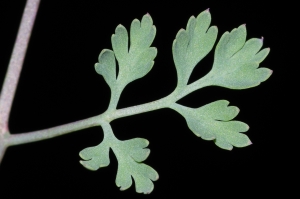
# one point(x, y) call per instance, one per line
point(236, 62)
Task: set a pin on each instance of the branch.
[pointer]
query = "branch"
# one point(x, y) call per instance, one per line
point(16, 62)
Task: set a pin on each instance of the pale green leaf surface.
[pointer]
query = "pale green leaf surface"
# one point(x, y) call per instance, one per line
point(192, 44)
point(129, 154)
point(137, 60)
point(119, 42)
point(95, 157)
point(212, 122)
point(141, 33)
point(237, 60)
point(106, 67)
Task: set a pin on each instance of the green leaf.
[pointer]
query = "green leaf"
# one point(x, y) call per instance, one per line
point(136, 61)
point(129, 154)
point(192, 44)
point(236, 61)
point(107, 67)
point(212, 122)
point(95, 157)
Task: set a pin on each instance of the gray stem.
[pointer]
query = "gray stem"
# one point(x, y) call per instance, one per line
point(16, 62)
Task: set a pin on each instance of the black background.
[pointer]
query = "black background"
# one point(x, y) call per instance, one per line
point(58, 85)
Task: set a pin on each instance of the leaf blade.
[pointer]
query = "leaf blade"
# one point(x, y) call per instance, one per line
point(192, 44)
point(136, 60)
point(130, 154)
point(236, 61)
point(214, 122)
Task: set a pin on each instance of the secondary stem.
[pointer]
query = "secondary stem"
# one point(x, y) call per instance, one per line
point(16, 62)
point(200, 83)
point(115, 96)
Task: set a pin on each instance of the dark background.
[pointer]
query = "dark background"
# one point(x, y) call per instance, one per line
point(58, 85)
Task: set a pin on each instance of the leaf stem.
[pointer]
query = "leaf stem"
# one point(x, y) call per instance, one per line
point(99, 120)
point(22, 138)
point(150, 106)
point(108, 132)
point(115, 96)
point(16, 62)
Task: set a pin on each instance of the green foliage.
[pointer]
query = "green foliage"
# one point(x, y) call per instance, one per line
point(236, 61)
point(129, 153)
point(192, 45)
point(235, 66)
point(95, 157)
point(134, 62)
point(212, 122)
point(107, 67)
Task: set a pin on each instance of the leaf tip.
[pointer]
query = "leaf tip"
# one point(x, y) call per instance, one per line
point(157, 177)
point(146, 142)
point(214, 27)
point(207, 10)
point(82, 156)
point(247, 127)
point(86, 165)
point(237, 109)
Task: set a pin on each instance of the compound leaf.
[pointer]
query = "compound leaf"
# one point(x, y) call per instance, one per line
point(192, 44)
point(130, 154)
point(212, 122)
point(237, 60)
point(235, 66)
